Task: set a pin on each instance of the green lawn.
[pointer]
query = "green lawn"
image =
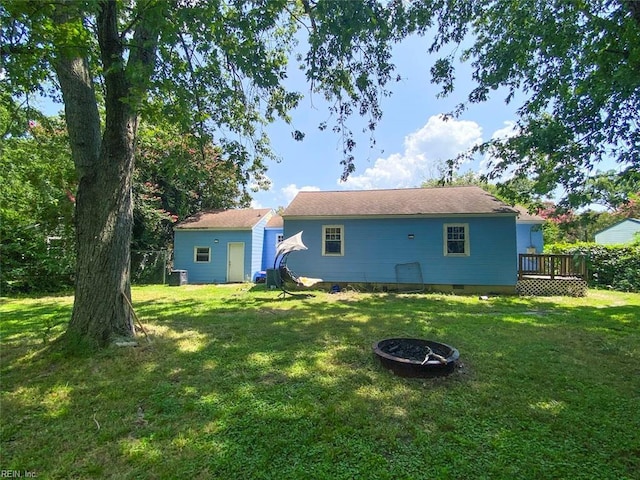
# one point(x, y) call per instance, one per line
point(239, 384)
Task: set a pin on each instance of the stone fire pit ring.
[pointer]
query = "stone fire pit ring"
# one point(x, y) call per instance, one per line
point(415, 357)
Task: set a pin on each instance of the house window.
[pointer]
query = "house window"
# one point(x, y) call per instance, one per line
point(202, 254)
point(279, 239)
point(456, 239)
point(332, 240)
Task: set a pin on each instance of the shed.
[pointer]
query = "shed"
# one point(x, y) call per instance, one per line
point(221, 246)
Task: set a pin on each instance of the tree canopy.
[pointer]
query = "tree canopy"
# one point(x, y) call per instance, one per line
point(176, 176)
point(216, 69)
point(574, 67)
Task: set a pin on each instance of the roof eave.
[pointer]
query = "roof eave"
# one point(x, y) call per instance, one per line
point(395, 216)
point(216, 229)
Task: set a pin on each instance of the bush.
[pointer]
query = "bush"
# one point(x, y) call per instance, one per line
point(31, 265)
point(611, 266)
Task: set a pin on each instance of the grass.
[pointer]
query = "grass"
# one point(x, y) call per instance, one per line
point(239, 384)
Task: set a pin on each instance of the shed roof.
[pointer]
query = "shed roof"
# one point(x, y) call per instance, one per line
point(631, 220)
point(240, 219)
point(275, 222)
point(468, 200)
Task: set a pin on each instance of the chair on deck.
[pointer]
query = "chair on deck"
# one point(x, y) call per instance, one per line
point(283, 274)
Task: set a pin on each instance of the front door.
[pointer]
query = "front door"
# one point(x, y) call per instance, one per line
point(235, 265)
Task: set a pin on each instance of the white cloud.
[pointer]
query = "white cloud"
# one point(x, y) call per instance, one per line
point(509, 130)
point(292, 190)
point(424, 151)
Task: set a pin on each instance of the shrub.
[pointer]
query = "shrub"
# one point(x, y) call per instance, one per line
point(29, 264)
point(611, 266)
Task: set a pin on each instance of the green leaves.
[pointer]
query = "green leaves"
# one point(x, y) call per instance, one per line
point(221, 67)
point(349, 61)
point(36, 204)
point(577, 64)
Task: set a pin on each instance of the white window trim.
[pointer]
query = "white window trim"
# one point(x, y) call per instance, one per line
point(467, 250)
point(279, 239)
point(195, 255)
point(324, 238)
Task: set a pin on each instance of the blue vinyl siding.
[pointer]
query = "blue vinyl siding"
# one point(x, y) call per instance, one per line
point(269, 250)
point(526, 237)
point(216, 270)
point(256, 247)
point(373, 247)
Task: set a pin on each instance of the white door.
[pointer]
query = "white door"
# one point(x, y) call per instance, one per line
point(235, 259)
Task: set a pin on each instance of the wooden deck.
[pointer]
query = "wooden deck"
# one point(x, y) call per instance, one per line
point(552, 267)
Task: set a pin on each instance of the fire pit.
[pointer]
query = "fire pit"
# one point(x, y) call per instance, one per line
point(413, 357)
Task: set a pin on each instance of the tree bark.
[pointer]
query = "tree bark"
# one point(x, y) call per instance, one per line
point(104, 208)
point(104, 164)
point(104, 217)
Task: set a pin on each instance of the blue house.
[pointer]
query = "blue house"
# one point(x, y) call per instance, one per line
point(622, 232)
point(449, 238)
point(221, 246)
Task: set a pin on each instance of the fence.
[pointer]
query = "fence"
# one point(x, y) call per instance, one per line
point(150, 267)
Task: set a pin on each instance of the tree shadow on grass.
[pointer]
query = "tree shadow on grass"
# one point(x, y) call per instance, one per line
point(255, 387)
point(34, 320)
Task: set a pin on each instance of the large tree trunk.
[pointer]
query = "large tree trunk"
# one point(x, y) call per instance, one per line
point(104, 216)
point(104, 209)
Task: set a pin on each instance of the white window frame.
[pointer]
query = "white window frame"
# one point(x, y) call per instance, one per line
point(195, 254)
point(279, 238)
point(324, 241)
point(445, 239)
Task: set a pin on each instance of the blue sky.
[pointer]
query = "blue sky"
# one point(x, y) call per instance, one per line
point(411, 139)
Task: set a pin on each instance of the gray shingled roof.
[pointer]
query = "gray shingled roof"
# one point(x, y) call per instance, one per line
point(525, 217)
point(468, 200)
point(241, 219)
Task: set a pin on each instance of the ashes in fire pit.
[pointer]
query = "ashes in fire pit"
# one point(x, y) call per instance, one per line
point(414, 357)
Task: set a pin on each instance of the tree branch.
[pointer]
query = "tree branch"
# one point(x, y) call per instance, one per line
point(298, 19)
point(634, 9)
point(189, 55)
point(145, 43)
point(309, 11)
point(80, 104)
